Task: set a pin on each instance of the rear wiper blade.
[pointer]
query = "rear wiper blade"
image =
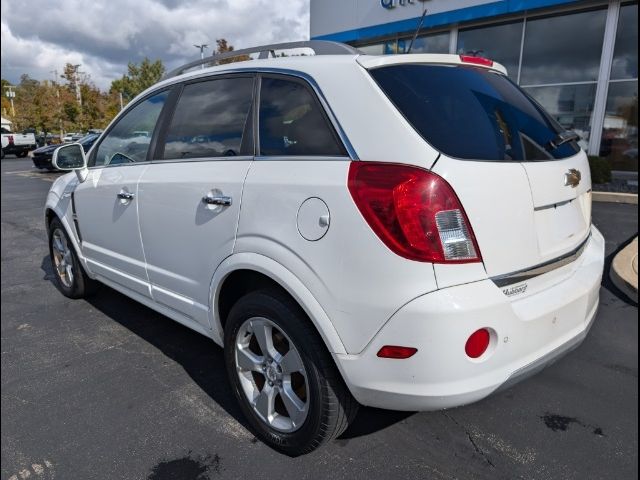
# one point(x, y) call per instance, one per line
point(562, 138)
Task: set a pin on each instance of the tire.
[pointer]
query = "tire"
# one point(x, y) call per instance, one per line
point(69, 276)
point(2, 153)
point(328, 405)
point(22, 154)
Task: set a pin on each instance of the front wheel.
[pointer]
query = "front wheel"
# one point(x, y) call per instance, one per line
point(68, 274)
point(285, 380)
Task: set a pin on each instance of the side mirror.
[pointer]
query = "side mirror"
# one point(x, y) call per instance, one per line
point(69, 157)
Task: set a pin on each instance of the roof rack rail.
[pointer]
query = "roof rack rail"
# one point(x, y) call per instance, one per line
point(320, 47)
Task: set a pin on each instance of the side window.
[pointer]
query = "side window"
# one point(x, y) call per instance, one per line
point(129, 140)
point(209, 119)
point(292, 121)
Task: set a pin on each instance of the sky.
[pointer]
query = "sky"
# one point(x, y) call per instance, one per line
point(40, 36)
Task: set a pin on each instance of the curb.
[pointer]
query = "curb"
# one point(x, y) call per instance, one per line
point(624, 270)
point(612, 197)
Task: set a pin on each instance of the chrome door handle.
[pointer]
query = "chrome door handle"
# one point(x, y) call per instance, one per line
point(125, 195)
point(217, 200)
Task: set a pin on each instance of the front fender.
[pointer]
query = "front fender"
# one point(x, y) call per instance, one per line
point(287, 280)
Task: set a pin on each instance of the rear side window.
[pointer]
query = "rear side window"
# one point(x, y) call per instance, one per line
point(293, 123)
point(472, 113)
point(209, 119)
point(128, 141)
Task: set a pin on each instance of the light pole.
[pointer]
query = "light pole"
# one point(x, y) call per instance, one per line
point(11, 95)
point(202, 47)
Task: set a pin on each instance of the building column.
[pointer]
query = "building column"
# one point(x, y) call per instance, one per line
point(602, 89)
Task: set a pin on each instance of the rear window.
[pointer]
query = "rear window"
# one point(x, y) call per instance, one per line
point(472, 113)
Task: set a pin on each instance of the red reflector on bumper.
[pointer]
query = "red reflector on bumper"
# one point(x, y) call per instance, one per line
point(477, 343)
point(394, 351)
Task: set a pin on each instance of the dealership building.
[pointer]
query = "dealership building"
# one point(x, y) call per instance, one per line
point(578, 58)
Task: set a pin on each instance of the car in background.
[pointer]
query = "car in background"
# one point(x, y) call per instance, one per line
point(72, 137)
point(17, 143)
point(42, 156)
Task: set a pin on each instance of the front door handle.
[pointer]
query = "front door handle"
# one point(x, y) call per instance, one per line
point(127, 196)
point(211, 199)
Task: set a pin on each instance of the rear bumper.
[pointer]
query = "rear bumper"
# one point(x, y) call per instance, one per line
point(528, 332)
point(12, 148)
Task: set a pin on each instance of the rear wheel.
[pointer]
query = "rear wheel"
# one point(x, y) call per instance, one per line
point(68, 274)
point(22, 154)
point(285, 380)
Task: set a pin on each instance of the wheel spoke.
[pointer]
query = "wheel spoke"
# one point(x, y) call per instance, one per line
point(264, 335)
point(291, 362)
point(294, 406)
point(57, 244)
point(265, 403)
point(69, 271)
point(247, 360)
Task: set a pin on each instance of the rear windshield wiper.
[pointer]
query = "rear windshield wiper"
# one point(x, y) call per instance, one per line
point(562, 138)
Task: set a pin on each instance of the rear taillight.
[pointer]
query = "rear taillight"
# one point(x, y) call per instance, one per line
point(476, 60)
point(414, 212)
point(10, 138)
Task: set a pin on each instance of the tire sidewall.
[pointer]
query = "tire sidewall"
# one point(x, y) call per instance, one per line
point(261, 304)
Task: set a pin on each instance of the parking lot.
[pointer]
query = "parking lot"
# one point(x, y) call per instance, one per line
point(109, 389)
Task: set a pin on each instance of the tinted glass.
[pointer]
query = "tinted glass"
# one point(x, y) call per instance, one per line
point(471, 113)
point(500, 43)
point(129, 140)
point(292, 122)
point(563, 49)
point(620, 134)
point(625, 55)
point(436, 43)
point(570, 105)
point(384, 48)
point(209, 119)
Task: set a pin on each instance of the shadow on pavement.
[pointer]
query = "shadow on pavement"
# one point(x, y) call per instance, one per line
point(200, 357)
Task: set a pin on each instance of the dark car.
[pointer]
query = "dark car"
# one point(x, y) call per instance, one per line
point(42, 156)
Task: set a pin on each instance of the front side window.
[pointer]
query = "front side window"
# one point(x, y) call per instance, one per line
point(292, 121)
point(129, 140)
point(209, 119)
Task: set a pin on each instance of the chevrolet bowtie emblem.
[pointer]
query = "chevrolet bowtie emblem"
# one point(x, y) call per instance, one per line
point(572, 178)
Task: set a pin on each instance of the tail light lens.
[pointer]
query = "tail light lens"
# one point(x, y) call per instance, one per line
point(10, 138)
point(414, 212)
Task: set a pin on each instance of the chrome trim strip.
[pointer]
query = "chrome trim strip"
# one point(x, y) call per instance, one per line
point(523, 275)
point(553, 205)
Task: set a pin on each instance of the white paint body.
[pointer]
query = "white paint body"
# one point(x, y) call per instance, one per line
point(170, 252)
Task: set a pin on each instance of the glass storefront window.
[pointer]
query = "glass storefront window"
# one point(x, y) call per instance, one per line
point(499, 42)
point(434, 43)
point(625, 54)
point(620, 133)
point(563, 49)
point(384, 48)
point(570, 105)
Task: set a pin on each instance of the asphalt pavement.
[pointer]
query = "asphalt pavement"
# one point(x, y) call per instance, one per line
point(109, 389)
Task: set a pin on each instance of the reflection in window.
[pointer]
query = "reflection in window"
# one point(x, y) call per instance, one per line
point(500, 43)
point(292, 123)
point(570, 105)
point(620, 133)
point(625, 54)
point(128, 141)
point(435, 43)
point(563, 49)
point(209, 119)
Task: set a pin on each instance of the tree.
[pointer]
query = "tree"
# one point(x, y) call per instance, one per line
point(6, 103)
point(35, 105)
point(223, 47)
point(138, 78)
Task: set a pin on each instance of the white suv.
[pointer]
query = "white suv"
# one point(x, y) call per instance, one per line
point(408, 232)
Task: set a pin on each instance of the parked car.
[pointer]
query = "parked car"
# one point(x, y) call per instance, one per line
point(42, 156)
point(17, 143)
point(72, 137)
point(408, 232)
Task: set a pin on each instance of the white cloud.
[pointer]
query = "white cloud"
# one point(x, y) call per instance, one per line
point(104, 36)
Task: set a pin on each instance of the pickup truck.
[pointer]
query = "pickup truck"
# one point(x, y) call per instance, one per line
point(17, 143)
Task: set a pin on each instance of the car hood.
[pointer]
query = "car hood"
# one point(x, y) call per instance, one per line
point(46, 149)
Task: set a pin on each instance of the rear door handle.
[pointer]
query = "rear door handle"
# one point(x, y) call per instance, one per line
point(223, 200)
point(124, 195)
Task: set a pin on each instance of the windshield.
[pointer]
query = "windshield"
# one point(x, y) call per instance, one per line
point(473, 113)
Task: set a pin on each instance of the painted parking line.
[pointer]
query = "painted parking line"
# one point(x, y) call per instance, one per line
point(46, 176)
